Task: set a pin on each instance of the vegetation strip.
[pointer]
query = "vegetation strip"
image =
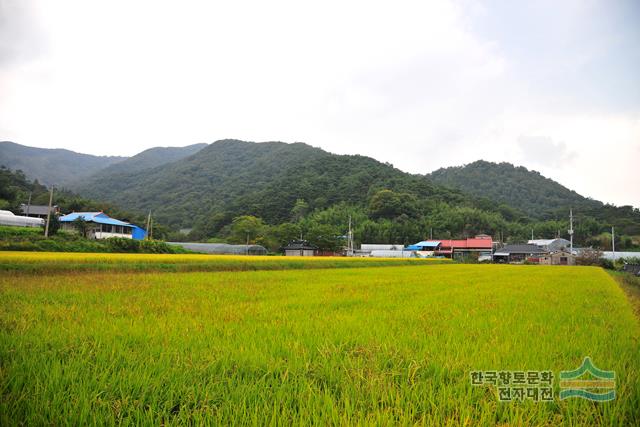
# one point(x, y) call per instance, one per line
point(57, 262)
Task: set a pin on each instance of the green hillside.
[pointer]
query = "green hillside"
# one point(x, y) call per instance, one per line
point(539, 197)
point(282, 191)
point(52, 166)
point(150, 158)
point(305, 190)
point(233, 177)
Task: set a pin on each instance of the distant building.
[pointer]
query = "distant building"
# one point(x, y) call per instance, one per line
point(10, 219)
point(38, 211)
point(519, 253)
point(561, 257)
point(392, 254)
point(300, 248)
point(618, 255)
point(366, 249)
point(551, 244)
point(426, 248)
point(480, 245)
point(102, 226)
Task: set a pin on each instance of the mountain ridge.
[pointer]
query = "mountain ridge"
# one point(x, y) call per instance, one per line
point(68, 168)
point(57, 166)
point(516, 186)
point(227, 174)
point(207, 185)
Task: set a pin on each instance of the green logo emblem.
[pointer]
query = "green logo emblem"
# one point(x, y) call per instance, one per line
point(599, 387)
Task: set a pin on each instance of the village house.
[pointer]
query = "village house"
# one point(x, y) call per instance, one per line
point(551, 244)
point(101, 226)
point(300, 248)
point(38, 211)
point(480, 246)
point(519, 253)
point(426, 248)
point(561, 257)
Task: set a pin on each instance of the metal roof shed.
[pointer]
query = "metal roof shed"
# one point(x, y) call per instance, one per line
point(427, 245)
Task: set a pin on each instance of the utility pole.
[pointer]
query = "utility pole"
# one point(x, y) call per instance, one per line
point(46, 228)
point(350, 239)
point(613, 242)
point(148, 226)
point(431, 234)
point(571, 228)
point(29, 203)
point(247, 248)
point(532, 234)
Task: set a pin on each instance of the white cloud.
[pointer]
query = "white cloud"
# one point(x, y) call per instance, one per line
point(410, 83)
point(544, 151)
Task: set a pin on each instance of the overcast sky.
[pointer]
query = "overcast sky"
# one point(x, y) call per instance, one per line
point(553, 86)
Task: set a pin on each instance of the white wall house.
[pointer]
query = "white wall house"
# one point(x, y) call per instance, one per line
point(101, 226)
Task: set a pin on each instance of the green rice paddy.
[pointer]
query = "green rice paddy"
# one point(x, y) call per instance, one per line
point(376, 345)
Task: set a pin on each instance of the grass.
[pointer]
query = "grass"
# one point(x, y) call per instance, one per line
point(33, 240)
point(57, 262)
point(372, 345)
point(631, 285)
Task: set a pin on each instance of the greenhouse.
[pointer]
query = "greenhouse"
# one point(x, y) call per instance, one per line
point(9, 218)
point(222, 248)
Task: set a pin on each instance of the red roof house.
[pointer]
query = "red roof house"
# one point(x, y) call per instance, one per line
point(480, 243)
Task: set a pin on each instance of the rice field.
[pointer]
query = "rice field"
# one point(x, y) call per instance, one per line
point(56, 262)
point(375, 345)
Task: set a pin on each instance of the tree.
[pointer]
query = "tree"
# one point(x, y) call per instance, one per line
point(246, 227)
point(325, 237)
point(54, 224)
point(81, 226)
point(299, 210)
point(389, 204)
point(284, 233)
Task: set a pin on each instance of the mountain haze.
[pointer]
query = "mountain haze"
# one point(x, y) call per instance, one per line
point(52, 166)
point(69, 169)
point(147, 159)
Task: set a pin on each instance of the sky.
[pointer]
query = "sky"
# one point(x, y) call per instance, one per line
point(552, 86)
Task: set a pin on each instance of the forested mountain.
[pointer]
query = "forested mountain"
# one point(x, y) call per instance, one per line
point(230, 178)
point(300, 188)
point(150, 158)
point(539, 197)
point(52, 166)
point(66, 168)
point(275, 191)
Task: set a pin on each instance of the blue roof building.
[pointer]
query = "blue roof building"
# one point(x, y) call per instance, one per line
point(102, 226)
point(427, 245)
